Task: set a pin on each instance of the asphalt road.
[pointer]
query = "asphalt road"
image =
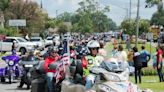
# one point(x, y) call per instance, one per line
point(5, 87)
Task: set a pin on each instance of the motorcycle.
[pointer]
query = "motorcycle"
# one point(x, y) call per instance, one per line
point(39, 79)
point(12, 69)
point(111, 76)
point(28, 66)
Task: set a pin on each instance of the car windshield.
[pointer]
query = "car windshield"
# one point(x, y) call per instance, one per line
point(35, 40)
point(50, 38)
point(21, 40)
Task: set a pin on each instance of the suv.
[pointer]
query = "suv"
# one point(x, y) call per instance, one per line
point(38, 41)
point(22, 45)
point(48, 41)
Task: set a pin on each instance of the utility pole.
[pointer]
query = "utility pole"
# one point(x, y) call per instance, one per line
point(130, 8)
point(137, 20)
point(56, 13)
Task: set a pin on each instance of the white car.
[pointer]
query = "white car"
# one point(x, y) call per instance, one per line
point(56, 39)
point(49, 41)
point(38, 41)
point(22, 45)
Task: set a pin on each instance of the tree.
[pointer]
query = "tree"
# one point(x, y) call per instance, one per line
point(21, 9)
point(151, 3)
point(85, 24)
point(158, 18)
point(50, 23)
point(63, 29)
point(66, 17)
point(128, 26)
point(92, 16)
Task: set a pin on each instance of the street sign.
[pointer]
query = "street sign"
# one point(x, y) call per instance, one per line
point(17, 22)
point(150, 36)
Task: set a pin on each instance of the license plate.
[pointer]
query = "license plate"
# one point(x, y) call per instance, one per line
point(28, 65)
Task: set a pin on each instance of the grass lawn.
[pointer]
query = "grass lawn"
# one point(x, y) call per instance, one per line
point(150, 82)
point(109, 47)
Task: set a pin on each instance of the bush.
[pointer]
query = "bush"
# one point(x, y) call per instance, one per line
point(132, 42)
point(9, 31)
point(150, 71)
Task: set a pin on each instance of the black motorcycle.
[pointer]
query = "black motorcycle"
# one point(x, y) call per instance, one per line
point(28, 66)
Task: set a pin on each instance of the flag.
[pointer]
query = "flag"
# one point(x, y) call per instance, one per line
point(64, 62)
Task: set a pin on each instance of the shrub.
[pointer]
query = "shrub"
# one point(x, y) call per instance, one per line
point(9, 31)
point(149, 71)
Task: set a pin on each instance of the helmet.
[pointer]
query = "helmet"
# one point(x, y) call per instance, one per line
point(52, 49)
point(93, 44)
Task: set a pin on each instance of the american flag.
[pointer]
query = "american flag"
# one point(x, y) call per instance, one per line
point(64, 62)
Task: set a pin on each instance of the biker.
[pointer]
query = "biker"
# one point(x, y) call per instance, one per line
point(93, 59)
point(53, 57)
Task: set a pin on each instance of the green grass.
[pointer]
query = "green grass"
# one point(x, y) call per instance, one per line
point(109, 47)
point(150, 82)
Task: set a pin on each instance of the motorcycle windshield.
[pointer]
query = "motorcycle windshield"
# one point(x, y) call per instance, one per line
point(14, 58)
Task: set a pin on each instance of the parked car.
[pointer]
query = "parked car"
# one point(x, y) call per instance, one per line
point(48, 41)
point(56, 39)
point(38, 41)
point(22, 45)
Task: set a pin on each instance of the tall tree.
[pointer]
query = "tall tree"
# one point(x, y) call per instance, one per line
point(158, 18)
point(151, 3)
point(129, 26)
point(21, 9)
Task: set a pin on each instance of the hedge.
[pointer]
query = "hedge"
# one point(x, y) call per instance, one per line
point(150, 71)
point(132, 42)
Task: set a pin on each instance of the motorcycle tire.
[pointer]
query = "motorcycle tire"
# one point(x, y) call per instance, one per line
point(79, 68)
point(3, 79)
point(10, 77)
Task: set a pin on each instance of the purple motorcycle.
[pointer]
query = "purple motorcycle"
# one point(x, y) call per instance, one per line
point(12, 69)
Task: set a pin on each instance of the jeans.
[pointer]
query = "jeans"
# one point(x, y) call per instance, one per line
point(50, 76)
point(159, 70)
point(90, 79)
point(137, 73)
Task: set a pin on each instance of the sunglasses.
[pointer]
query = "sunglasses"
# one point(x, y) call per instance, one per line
point(94, 48)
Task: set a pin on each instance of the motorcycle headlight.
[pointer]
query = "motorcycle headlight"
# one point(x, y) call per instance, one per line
point(113, 78)
point(11, 63)
point(106, 88)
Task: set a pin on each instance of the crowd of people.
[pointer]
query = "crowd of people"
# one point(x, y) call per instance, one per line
point(96, 54)
point(139, 59)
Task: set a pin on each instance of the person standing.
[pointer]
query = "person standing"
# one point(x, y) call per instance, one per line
point(14, 46)
point(121, 54)
point(159, 63)
point(137, 64)
point(145, 55)
point(114, 51)
point(130, 58)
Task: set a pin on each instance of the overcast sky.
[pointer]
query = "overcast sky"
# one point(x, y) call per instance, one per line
point(117, 13)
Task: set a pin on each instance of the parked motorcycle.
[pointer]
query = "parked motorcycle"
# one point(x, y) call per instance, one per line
point(12, 69)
